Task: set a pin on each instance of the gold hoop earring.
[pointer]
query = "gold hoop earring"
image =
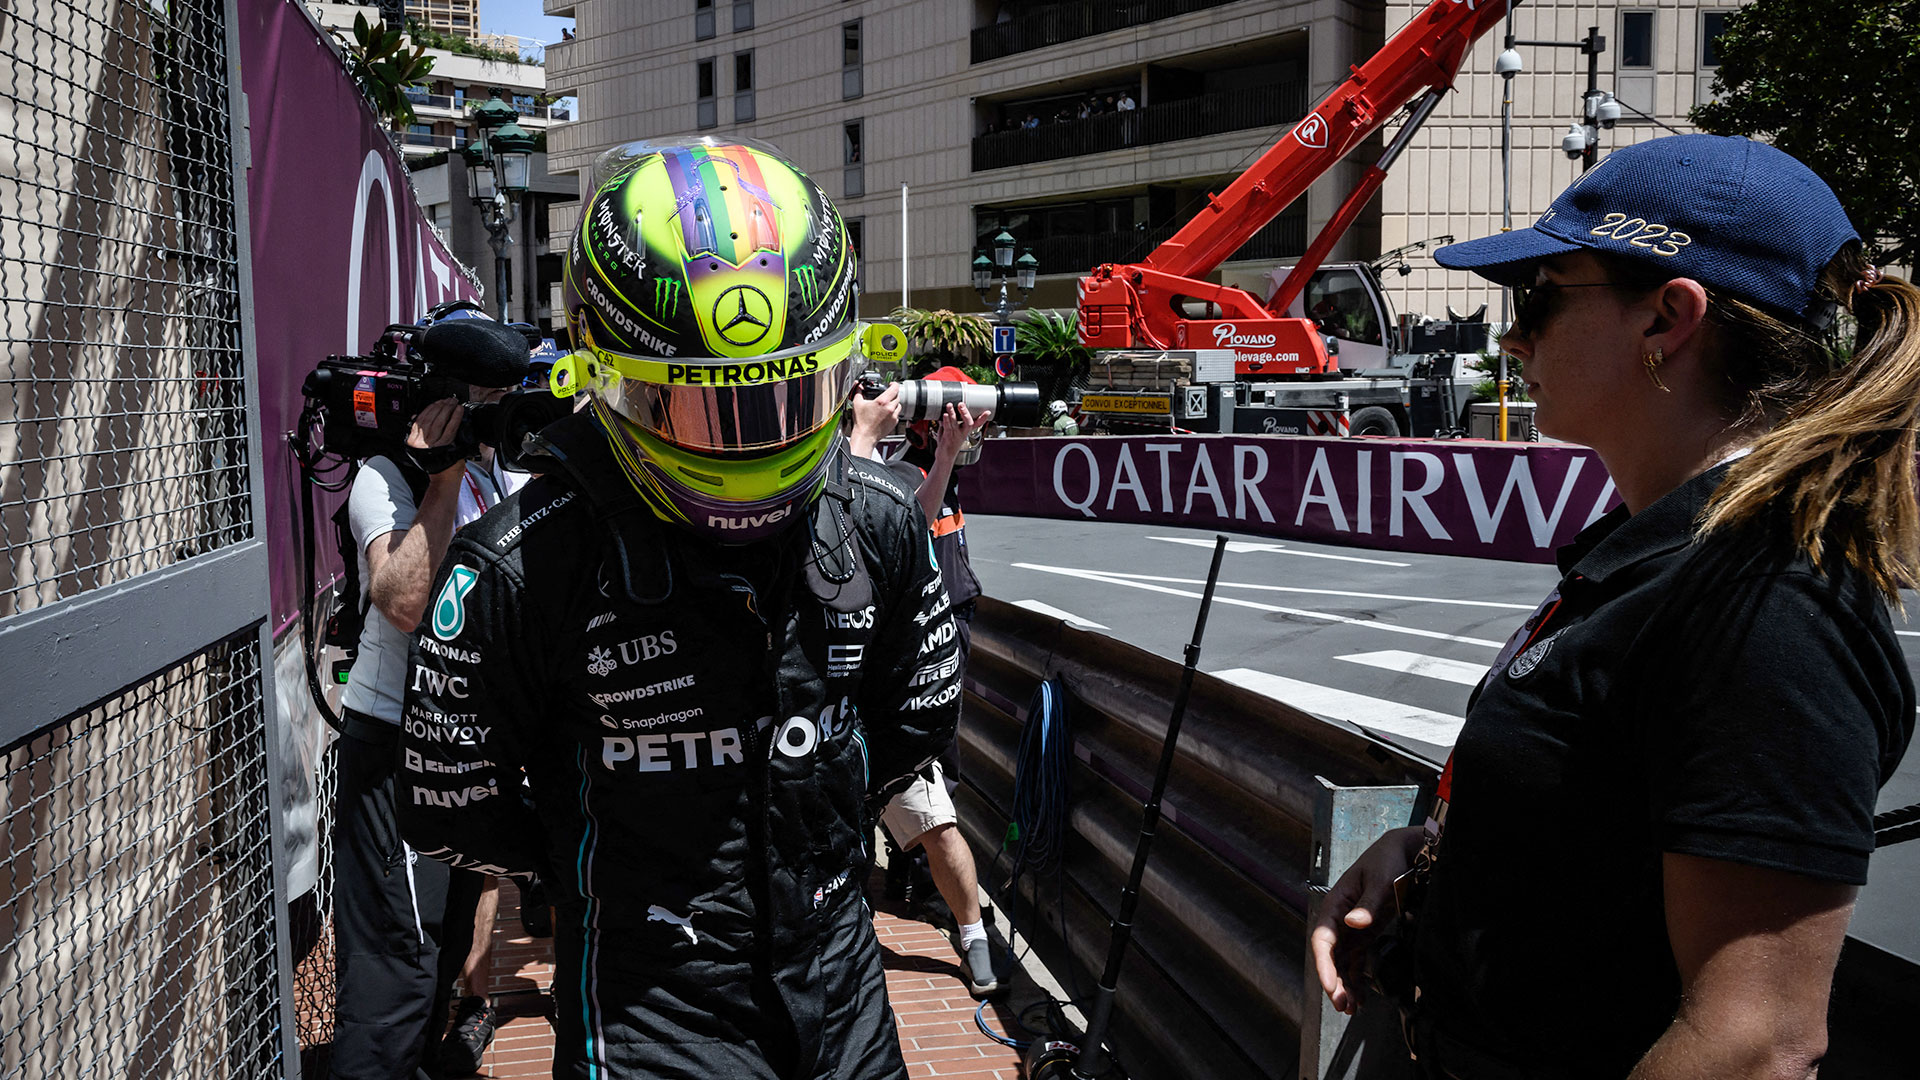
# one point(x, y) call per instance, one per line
point(1653, 360)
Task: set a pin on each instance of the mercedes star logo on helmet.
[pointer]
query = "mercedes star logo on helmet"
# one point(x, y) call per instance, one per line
point(743, 315)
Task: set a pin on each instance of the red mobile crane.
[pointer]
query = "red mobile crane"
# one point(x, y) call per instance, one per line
point(1141, 305)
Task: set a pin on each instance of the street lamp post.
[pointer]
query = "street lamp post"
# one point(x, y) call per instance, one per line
point(500, 161)
point(1597, 107)
point(1003, 269)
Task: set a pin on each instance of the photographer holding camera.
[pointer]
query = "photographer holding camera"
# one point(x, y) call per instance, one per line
point(392, 909)
point(923, 815)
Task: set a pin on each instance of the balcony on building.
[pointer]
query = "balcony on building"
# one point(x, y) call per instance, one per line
point(1016, 26)
point(1193, 98)
point(1079, 234)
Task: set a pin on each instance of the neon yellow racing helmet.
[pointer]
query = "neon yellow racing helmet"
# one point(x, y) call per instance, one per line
point(710, 293)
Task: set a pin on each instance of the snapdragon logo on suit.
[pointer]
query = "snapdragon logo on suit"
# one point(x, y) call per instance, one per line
point(450, 608)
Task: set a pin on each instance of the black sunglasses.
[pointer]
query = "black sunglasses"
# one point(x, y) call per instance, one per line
point(1533, 304)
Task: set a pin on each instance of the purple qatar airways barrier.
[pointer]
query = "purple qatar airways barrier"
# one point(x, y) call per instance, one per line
point(1513, 501)
point(340, 249)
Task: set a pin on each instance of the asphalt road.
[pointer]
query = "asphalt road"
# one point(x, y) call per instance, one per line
point(1389, 641)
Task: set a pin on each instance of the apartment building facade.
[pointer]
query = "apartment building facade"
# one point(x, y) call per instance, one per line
point(1001, 114)
point(442, 125)
point(447, 16)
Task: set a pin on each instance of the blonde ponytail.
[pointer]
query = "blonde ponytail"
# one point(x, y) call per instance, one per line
point(1837, 463)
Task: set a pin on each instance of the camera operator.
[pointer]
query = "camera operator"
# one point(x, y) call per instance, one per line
point(923, 815)
point(393, 910)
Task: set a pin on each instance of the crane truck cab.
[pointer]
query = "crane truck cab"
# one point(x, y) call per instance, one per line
point(1346, 302)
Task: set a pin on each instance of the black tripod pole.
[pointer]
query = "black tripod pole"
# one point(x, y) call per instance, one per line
point(1093, 1054)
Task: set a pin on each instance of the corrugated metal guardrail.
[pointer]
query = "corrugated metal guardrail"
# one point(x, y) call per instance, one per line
point(1216, 985)
point(1264, 802)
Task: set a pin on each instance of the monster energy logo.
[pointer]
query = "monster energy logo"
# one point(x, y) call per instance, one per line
point(666, 297)
point(806, 282)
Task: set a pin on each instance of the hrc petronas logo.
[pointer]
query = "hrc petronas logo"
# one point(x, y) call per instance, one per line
point(666, 297)
point(806, 283)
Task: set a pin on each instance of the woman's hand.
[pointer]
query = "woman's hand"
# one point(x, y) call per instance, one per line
point(1356, 909)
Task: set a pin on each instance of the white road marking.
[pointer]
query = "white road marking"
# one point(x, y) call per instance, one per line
point(1321, 592)
point(1104, 578)
point(1241, 546)
point(1374, 714)
point(1433, 667)
point(1908, 633)
point(1054, 612)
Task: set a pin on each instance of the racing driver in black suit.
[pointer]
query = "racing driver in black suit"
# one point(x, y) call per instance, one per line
point(674, 672)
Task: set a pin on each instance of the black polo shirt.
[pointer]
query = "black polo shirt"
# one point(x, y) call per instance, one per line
point(1719, 698)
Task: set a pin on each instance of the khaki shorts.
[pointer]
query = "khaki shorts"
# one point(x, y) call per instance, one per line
point(924, 805)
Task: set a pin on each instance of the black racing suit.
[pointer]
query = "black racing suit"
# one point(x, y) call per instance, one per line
point(701, 729)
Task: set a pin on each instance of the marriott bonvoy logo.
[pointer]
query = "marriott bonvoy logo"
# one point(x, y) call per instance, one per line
point(1228, 334)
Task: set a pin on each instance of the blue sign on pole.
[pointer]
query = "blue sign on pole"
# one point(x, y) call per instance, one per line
point(1003, 340)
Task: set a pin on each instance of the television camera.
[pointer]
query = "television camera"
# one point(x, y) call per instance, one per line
point(365, 405)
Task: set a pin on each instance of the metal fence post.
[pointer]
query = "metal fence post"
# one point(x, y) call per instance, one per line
point(241, 146)
point(1346, 821)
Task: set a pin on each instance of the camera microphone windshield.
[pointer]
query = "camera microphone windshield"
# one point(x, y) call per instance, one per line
point(480, 351)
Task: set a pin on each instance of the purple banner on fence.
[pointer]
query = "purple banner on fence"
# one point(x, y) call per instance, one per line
point(341, 247)
point(1514, 501)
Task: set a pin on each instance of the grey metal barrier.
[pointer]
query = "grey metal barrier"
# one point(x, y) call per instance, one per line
point(142, 917)
point(1266, 805)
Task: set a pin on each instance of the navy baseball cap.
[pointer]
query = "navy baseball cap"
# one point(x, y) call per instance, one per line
point(1725, 211)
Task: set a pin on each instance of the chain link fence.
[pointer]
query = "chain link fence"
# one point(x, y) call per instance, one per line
point(122, 418)
point(136, 914)
point(139, 933)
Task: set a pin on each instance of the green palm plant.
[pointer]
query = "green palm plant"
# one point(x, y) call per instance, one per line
point(1050, 351)
point(383, 67)
point(944, 335)
point(1048, 337)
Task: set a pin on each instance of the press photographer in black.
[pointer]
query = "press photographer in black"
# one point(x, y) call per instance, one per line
point(392, 909)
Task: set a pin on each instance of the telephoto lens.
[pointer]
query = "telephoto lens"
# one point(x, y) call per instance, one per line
point(1013, 404)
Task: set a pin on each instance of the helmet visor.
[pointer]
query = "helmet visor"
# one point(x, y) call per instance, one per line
point(735, 405)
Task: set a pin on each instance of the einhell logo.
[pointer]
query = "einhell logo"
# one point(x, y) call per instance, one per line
point(1312, 132)
point(1226, 335)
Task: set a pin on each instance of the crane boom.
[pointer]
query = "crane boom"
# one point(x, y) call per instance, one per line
point(1137, 305)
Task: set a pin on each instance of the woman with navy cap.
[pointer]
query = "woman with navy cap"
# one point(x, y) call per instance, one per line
point(1652, 828)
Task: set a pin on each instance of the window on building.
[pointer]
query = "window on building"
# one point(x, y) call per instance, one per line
point(1712, 25)
point(743, 14)
point(706, 107)
point(1633, 65)
point(850, 67)
point(1636, 39)
point(743, 87)
point(702, 19)
point(850, 149)
point(856, 233)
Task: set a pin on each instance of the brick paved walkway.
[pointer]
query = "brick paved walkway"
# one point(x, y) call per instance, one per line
point(936, 1016)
